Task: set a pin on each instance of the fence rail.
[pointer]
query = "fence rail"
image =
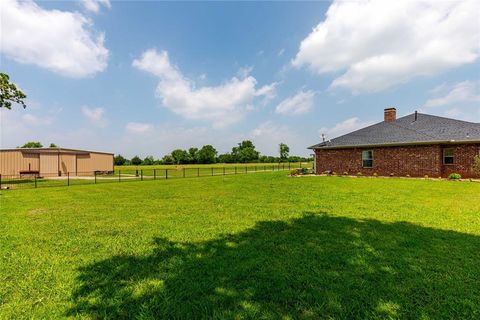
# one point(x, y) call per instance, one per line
point(119, 175)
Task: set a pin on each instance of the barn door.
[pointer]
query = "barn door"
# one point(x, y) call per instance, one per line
point(48, 164)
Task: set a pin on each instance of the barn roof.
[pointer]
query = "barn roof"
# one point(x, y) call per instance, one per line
point(54, 150)
point(415, 128)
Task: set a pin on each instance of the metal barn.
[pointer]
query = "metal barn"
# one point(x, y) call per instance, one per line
point(53, 161)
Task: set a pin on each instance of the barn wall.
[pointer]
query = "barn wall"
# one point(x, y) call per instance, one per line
point(94, 162)
point(49, 164)
point(14, 161)
point(68, 163)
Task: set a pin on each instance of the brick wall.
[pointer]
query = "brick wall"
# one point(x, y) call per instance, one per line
point(416, 161)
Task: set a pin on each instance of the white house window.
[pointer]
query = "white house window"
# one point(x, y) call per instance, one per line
point(367, 158)
point(448, 156)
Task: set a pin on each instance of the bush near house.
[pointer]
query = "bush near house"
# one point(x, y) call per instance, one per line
point(454, 176)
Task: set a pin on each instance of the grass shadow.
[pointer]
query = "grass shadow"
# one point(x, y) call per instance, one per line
point(316, 266)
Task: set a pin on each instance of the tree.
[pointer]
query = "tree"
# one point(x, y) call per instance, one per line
point(168, 159)
point(245, 152)
point(207, 154)
point(9, 93)
point(476, 164)
point(53, 145)
point(284, 150)
point(192, 152)
point(225, 158)
point(32, 144)
point(119, 160)
point(180, 156)
point(148, 161)
point(136, 161)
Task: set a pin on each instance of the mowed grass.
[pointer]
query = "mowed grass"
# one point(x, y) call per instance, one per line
point(259, 246)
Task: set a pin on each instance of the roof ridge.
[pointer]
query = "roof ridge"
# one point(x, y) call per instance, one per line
point(435, 116)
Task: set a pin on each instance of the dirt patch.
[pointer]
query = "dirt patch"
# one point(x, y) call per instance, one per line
point(37, 211)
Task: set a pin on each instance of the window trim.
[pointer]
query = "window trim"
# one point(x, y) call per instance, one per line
point(452, 156)
point(372, 159)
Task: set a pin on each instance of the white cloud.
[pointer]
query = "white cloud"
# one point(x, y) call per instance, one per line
point(31, 119)
point(223, 104)
point(60, 41)
point(96, 116)
point(472, 115)
point(281, 52)
point(466, 91)
point(94, 5)
point(268, 135)
point(377, 44)
point(300, 103)
point(139, 127)
point(343, 127)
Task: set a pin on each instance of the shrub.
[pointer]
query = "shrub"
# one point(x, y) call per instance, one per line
point(359, 173)
point(454, 176)
point(392, 174)
point(375, 174)
point(426, 176)
point(345, 173)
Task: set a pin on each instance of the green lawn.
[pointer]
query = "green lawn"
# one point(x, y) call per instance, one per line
point(192, 170)
point(258, 246)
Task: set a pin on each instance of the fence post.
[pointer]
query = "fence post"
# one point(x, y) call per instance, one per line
point(300, 165)
point(223, 170)
point(119, 175)
point(198, 172)
point(264, 168)
point(154, 174)
point(235, 169)
point(68, 178)
point(0, 182)
point(35, 176)
point(95, 174)
point(212, 171)
point(246, 169)
point(166, 173)
point(141, 174)
point(184, 172)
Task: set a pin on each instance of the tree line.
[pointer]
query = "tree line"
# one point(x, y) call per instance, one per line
point(244, 152)
point(37, 144)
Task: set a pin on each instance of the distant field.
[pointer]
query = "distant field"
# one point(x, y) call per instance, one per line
point(133, 173)
point(251, 246)
point(206, 169)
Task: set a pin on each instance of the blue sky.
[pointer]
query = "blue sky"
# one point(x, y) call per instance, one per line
point(147, 77)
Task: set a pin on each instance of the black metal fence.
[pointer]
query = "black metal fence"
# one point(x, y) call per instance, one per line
point(143, 174)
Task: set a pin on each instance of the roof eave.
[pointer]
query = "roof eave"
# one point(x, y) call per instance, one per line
point(394, 144)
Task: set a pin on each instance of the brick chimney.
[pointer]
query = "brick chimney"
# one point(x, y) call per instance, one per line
point(390, 114)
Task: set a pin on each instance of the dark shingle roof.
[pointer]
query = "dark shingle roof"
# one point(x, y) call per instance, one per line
point(406, 130)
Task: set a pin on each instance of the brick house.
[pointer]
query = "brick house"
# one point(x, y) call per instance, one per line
point(416, 145)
